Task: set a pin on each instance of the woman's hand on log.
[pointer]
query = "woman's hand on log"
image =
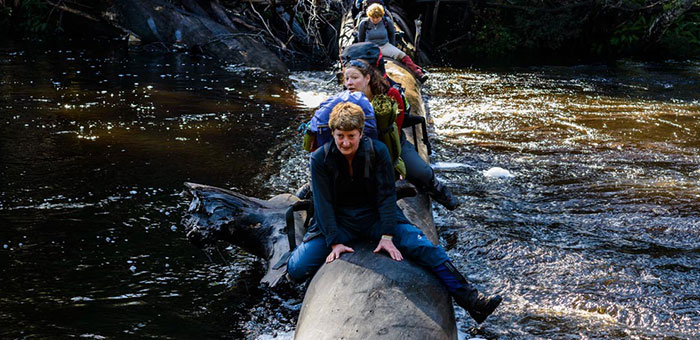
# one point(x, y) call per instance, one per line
point(338, 249)
point(388, 246)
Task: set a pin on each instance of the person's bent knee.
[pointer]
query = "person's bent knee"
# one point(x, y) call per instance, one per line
point(295, 274)
point(405, 228)
point(294, 271)
point(306, 259)
point(297, 271)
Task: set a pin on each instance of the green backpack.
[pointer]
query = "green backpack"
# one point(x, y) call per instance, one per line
point(385, 111)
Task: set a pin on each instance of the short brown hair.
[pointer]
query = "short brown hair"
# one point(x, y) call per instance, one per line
point(375, 11)
point(347, 117)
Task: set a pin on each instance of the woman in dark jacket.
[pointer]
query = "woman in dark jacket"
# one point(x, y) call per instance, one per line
point(353, 200)
point(380, 30)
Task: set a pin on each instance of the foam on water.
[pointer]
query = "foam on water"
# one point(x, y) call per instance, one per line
point(450, 166)
point(497, 172)
point(310, 99)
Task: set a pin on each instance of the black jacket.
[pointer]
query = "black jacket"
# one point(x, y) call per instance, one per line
point(338, 204)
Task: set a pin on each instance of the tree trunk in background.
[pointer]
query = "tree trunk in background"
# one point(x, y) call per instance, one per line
point(160, 21)
point(202, 25)
point(667, 18)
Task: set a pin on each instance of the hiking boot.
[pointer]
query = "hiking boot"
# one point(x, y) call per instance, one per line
point(304, 192)
point(423, 78)
point(476, 304)
point(442, 194)
point(465, 295)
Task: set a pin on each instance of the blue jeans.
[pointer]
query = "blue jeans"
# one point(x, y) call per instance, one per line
point(409, 240)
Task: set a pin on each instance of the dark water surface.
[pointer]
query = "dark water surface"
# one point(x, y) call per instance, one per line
point(94, 147)
point(594, 234)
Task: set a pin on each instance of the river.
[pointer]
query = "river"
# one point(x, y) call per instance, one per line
point(579, 187)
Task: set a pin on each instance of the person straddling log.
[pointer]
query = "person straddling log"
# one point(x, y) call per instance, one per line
point(380, 30)
point(360, 76)
point(353, 200)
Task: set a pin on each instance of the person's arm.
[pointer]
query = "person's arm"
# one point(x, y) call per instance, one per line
point(362, 30)
point(396, 95)
point(386, 201)
point(324, 213)
point(390, 30)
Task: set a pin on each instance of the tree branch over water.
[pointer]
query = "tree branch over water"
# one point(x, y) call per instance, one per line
point(677, 9)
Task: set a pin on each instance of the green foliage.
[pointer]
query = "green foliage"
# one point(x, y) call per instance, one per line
point(34, 17)
point(533, 33)
point(493, 41)
point(629, 34)
point(545, 30)
point(31, 18)
point(683, 38)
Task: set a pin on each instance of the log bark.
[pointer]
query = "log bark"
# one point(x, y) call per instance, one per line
point(368, 296)
point(257, 226)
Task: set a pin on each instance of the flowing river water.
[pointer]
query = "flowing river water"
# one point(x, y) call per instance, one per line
point(580, 190)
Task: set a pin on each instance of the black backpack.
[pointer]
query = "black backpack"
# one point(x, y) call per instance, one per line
point(367, 51)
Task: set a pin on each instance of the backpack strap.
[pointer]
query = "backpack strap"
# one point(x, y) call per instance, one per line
point(306, 205)
point(291, 228)
point(333, 169)
point(369, 164)
point(326, 149)
point(369, 156)
point(412, 121)
point(386, 25)
point(388, 129)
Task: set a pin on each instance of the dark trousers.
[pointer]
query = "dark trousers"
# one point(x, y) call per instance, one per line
point(418, 172)
point(409, 240)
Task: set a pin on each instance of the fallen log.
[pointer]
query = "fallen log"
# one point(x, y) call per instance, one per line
point(360, 296)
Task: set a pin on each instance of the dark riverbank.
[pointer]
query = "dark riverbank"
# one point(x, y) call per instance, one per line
point(304, 35)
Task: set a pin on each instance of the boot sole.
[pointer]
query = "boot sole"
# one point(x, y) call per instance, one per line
point(480, 317)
